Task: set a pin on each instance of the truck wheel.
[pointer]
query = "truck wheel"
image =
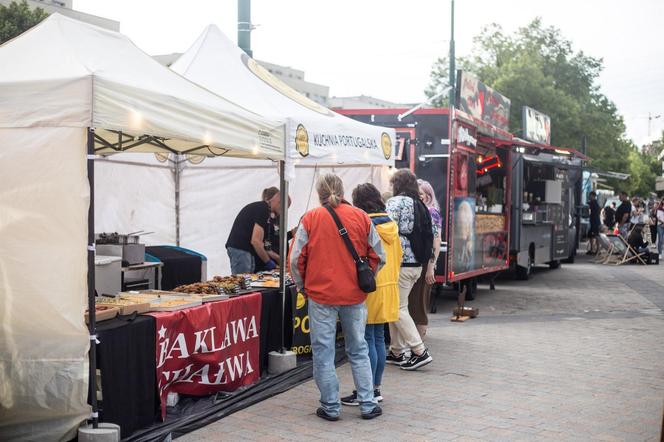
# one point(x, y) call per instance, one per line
point(569, 260)
point(554, 264)
point(523, 273)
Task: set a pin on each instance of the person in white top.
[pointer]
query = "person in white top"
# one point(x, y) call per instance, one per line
point(660, 227)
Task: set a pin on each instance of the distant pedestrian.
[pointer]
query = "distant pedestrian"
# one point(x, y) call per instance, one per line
point(415, 232)
point(325, 272)
point(660, 228)
point(593, 233)
point(623, 213)
point(383, 304)
point(610, 215)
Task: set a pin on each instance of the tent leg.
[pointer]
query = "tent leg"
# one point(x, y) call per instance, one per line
point(283, 245)
point(282, 360)
point(92, 326)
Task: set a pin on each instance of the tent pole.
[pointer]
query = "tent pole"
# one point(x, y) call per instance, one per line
point(176, 173)
point(92, 326)
point(283, 245)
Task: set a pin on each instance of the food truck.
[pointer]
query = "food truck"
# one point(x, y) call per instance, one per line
point(465, 154)
point(546, 190)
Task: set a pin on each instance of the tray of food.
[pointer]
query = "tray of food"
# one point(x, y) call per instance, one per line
point(126, 306)
point(198, 288)
point(102, 313)
point(162, 302)
point(211, 298)
point(169, 305)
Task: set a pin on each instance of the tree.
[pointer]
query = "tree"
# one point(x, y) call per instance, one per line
point(18, 18)
point(537, 67)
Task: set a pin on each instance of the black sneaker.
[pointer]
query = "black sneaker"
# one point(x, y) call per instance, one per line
point(377, 411)
point(324, 415)
point(395, 359)
point(377, 395)
point(351, 400)
point(416, 361)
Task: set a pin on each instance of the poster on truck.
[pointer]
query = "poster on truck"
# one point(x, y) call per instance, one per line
point(536, 126)
point(464, 235)
point(482, 102)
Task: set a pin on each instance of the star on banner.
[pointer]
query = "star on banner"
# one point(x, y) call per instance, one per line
point(162, 332)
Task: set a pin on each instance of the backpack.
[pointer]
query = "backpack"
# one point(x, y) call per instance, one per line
point(421, 238)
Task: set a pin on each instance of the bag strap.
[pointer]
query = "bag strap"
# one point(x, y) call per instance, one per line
point(343, 233)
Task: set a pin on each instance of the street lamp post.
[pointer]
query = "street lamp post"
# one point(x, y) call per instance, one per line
point(452, 60)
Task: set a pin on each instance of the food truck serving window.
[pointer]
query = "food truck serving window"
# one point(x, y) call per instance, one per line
point(480, 212)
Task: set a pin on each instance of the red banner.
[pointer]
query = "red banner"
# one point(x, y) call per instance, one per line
point(207, 349)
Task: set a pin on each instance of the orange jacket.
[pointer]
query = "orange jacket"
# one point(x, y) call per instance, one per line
point(321, 265)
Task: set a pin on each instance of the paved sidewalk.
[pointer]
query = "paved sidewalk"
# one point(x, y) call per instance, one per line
point(573, 354)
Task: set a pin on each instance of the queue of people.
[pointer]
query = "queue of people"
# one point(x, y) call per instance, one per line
point(639, 223)
point(396, 235)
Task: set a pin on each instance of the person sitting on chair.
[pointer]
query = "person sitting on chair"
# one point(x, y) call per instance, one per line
point(638, 243)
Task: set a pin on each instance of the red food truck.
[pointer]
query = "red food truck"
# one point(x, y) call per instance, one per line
point(471, 180)
point(466, 156)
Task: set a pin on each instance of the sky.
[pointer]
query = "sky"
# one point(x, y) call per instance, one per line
point(385, 48)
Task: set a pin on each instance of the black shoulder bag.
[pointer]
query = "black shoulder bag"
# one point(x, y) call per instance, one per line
point(365, 276)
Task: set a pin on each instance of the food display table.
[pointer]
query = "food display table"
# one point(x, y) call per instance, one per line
point(128, 355)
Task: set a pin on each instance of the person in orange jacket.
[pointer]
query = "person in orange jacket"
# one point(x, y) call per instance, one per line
point(383, 304)
point(324, 270)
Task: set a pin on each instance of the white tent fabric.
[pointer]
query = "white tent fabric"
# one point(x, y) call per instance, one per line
point(211, 195)
point(56, 80)
point(43, 288)
point(67, 73)
point(316, 135)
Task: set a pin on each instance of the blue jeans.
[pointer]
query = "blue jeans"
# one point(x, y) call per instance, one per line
point(375, 337)
point(660, 238)
point(241, 261)
point(323, 322)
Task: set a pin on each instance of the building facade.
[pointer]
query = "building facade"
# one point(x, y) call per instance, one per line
point(364, 102)
point(295, 79)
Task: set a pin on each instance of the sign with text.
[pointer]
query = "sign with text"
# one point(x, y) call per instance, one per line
point(536, 126)
point(301, 338)
point(480, 101)
point(208, 349)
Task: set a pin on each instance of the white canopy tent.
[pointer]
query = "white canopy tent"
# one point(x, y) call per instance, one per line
point(68, 89)
point(217, 188)
point(316, 135)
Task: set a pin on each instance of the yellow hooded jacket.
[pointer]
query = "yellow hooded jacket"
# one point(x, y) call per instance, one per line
point(383, 304)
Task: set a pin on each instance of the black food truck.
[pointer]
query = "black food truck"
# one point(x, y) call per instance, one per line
point(546, 190)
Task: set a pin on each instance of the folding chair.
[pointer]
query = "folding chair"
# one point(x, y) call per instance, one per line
point(626, 252)
point(606, 252)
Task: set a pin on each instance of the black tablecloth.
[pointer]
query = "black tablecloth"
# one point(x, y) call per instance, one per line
point(180, 267)
point(127, 361)
point(126, 356)
point(271, 324)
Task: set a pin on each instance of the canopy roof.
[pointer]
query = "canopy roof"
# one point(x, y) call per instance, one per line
point(315, 133)
point(64, 72)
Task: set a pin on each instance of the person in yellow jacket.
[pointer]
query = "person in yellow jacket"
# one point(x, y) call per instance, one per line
point(383, 304)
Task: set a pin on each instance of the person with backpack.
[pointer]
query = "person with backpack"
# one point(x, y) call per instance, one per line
point(335, 248)
point(383, 304)
point(416, 234)
point(420, 296)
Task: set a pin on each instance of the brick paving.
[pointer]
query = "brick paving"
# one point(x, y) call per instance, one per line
point(573, 354)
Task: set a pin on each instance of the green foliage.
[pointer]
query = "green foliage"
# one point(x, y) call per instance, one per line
point(18, 18)
point(537, 67)
point(644, 167)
